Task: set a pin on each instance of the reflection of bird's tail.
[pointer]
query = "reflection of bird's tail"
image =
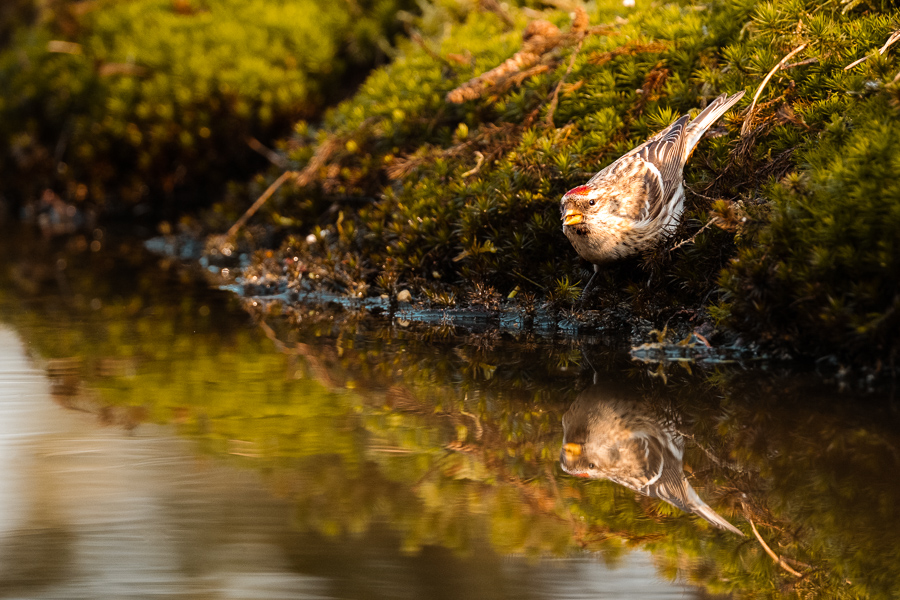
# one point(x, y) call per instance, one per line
point(699, 507)
point(696, 128)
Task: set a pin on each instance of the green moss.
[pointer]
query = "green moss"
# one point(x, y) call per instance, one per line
point(826, 266)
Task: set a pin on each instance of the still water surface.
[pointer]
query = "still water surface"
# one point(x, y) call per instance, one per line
point(158, 438)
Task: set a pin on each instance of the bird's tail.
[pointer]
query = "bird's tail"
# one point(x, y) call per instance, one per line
point(696, 128)
point(701, 508)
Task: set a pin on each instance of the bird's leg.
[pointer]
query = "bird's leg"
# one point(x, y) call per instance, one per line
point(582, 302)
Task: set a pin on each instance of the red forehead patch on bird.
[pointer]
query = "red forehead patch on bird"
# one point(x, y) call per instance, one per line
point(579, 191)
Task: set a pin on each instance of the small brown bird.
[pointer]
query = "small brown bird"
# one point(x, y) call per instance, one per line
point(608, 436)
point(636, 201)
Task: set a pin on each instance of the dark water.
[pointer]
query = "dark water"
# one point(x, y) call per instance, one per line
point(160, 438)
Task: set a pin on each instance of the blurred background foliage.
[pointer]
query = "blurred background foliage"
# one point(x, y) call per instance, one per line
point(451, 439)
point(153, 102)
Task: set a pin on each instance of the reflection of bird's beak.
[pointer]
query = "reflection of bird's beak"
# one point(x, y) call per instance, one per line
point(572, 451)
point(572, 217)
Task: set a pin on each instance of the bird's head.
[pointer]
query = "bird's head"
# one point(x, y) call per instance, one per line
point(577, 203)
point(575, 460)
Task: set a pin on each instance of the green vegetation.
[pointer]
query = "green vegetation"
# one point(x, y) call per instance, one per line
point(154, 101)
point(405, 188)
point(827, 265)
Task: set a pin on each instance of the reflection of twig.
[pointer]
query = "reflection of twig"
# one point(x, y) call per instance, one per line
point(747, 120)
point(319, 372)
point(778, 560)
point(479, 429)
point(559, 499)
point(724, 464)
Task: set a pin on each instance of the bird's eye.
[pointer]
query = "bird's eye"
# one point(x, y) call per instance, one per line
point(591, 465)
point(592, 202)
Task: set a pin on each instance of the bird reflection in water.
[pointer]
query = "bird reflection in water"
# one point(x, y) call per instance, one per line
point(607, 435)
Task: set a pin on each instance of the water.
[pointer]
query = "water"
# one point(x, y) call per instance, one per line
point(160, 438)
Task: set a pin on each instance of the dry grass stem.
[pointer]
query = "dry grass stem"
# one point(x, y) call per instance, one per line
point(258, 204)
point(890, 41)
point(745, 128)
point(478, 162)
point(554, 102)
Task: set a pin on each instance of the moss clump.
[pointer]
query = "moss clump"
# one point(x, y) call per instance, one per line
point(155, 100)
point(826, 267)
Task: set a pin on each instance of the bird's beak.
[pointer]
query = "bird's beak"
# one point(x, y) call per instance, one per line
point(572, 217)
point(572, 451)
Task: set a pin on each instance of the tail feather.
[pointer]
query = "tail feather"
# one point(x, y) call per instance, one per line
point(718, 107)
point(716, 519)
point(701, 508)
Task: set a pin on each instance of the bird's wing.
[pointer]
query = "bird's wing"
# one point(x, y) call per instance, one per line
point(664, 479)
point(660, 475)
point(665, 151)
point(653, 171)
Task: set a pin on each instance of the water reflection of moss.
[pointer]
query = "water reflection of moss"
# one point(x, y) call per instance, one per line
point(452, 455)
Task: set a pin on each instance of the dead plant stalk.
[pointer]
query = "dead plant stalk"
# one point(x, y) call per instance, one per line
point(745, 128)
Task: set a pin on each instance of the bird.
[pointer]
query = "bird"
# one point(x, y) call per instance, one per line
point(638, 200)
point(607, 435)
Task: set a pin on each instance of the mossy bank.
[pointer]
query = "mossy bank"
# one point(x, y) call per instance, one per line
point(442, 174)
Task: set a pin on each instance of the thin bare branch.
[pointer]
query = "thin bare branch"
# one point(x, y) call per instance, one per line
point(801, 63)
point(749, 118)
point(691, 239)
point(269, 154)
point(259, 202)
point(554, 102)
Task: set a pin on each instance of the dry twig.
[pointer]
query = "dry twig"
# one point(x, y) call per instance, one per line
point(303, 178)
point(749, 118)
point(270, 155)
point(555, 100)
point(541, 45)
point(539, 38)
point(890, 41)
